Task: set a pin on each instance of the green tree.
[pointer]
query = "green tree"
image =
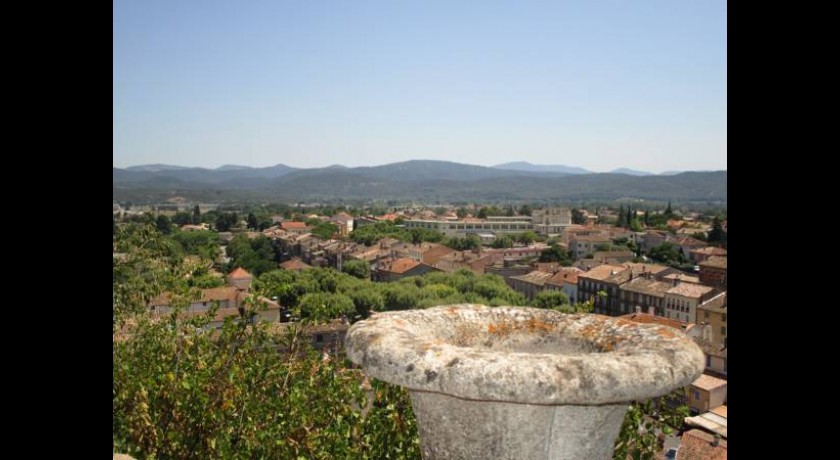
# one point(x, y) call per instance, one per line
point(226, 220)
point(325, 230)
point(252, 221)
point(468, 243)
point(503, 241)
point(578, 217)
point(324, 306)
point(182, 218)
point(163, 224)
point(666, 253)
point(357, 268)
point(196, 215)
point(145, 264)
point(203, 243)
point(526, 237)
point(550, 299)
point(525, 210)
point(717, 235)
point(555, 253)
point(257, 255)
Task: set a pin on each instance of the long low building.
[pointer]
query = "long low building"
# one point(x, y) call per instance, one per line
point(548, 221)
point(463, 227)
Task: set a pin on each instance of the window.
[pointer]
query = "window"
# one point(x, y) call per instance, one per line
point(706, 315)
point(723, 331)
point(708, 360)
point(696, 394)
point(724, 318)
point(319, 338)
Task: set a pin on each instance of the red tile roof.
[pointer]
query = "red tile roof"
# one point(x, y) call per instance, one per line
point(647, 318)
point(239, 273)
point(710, 251)
point(694, 291)
point(389, 216)
point(698, 445)
point(602, 272)
point(290, 225)
point(402, 265)
point(567, 277)
point(295, 264)
point(708, 383)
point(714, 261)
point(219, 293)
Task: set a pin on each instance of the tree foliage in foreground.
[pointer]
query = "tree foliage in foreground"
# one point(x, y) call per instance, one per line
point(179, 393)
point(247, 391)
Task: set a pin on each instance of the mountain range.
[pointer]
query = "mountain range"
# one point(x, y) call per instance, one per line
point(426, 180)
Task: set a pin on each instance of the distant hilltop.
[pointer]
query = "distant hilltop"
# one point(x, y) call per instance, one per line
point(428, 180)
point(523, 166)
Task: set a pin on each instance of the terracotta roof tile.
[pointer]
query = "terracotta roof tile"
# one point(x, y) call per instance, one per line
point(714, 261)
point(647, 287)
point(290, 225)
point(295, 264)
point(564, 277)
point(710, 251)
point(690, 290)
point(647, 318)
point(698, 445)
point(601, 272)
point(708, 383)
point(239, 273)
point(402, 265)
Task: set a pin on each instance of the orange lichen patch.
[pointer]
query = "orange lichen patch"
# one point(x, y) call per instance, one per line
point(531, 325)
point(534, 325)
point(399, 321)
point(666, 332)
point(590, 332)
point(501, 328)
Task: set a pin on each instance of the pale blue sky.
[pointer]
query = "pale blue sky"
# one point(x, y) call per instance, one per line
point(595, 84)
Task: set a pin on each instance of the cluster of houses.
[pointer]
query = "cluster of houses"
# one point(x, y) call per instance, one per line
point(615, 281)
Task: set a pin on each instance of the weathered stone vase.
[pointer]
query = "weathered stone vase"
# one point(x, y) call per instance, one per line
point(521, 383)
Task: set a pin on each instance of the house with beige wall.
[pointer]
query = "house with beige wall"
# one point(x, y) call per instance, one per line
point(682, 300)
point(706, 393)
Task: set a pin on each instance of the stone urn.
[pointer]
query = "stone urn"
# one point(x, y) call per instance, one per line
point(521, 383)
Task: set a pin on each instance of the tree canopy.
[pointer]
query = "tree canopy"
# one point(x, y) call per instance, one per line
point(257, 390)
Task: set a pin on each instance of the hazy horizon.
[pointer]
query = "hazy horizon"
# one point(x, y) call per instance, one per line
point(596, 85)
point(400, 161)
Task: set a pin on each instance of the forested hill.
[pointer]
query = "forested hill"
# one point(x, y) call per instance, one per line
point(431, 181)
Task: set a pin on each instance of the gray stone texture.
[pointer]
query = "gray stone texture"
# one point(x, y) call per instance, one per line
point(516, 382)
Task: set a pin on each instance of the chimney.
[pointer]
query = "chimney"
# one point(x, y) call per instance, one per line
point(652, 311)
point(716, 441)
point(638, 308)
